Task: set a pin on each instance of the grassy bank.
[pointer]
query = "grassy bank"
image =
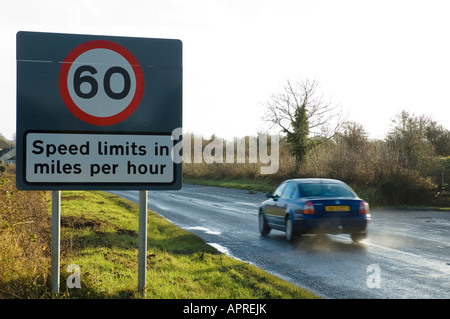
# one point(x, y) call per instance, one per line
point(99, 234)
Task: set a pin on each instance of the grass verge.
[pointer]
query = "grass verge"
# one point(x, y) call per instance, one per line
point(99, 234)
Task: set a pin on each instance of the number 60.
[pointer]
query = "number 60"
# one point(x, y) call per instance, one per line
point(78, 80)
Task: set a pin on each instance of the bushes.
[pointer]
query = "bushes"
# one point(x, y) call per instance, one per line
point(376, 170)
point(24, 241)
point(406, 187)
point(404, 168)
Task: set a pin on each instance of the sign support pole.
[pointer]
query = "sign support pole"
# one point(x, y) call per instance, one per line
point(56, 239)
point(142, 242)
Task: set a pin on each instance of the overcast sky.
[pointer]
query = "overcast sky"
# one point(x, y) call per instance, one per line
point(373, 58)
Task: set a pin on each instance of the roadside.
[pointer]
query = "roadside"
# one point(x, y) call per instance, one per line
point(263, 186)
point(99, 236)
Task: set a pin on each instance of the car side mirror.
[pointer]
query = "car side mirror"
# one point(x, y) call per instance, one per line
point(269, 195)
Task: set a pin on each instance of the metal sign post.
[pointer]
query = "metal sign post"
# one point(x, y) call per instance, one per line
point(56, 239)
point(142, 242)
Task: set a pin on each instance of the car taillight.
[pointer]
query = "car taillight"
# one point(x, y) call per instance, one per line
point(363, 208)
point(308, 209)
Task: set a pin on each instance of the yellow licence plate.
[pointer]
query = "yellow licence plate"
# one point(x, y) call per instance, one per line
point(337, 208)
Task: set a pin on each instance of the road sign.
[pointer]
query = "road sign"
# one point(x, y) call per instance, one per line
point(98, 112)
point(100, 92)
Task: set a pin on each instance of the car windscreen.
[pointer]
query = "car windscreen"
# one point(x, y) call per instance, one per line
point(325, 190)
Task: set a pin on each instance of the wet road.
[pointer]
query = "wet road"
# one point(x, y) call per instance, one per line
point(406, 255)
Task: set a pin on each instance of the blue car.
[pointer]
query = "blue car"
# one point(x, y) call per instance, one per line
point(305, 206)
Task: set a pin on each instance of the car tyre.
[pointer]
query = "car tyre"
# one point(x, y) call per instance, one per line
point(290, 234)
point(264, 229)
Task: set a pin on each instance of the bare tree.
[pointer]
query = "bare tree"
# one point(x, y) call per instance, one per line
point(354, 135)
point(324, 118)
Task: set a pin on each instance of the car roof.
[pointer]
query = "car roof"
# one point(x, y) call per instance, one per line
point(315, 180)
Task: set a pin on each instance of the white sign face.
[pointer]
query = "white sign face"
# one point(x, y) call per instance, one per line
point(101, 82)
point(67, 158)
point(117, 90)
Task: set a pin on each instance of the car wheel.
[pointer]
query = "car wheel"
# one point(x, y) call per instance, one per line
point(290, 236)
point(264, 229)
point(358, 237)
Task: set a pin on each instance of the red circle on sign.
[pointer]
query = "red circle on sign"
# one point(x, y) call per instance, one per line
point(72, 106)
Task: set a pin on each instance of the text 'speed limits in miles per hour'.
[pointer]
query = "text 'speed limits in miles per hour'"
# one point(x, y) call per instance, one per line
point(100, 158)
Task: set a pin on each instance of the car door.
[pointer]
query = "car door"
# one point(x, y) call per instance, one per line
point(271, 208)
point(281, 203)
point(284, 199)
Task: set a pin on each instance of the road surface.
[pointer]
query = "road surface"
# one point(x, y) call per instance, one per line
point(406, 255)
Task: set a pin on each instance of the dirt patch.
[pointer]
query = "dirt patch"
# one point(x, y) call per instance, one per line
point(78, 222)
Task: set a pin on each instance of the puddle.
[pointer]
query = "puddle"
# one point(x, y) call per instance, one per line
point(204, 229)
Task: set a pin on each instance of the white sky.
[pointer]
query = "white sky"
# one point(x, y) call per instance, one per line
point(373, 58)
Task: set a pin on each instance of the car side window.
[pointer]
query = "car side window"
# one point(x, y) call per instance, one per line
point(288, 191)
point(295, 193)
point(279, 190)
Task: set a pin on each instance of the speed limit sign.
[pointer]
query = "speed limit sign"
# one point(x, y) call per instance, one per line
point(98, 112)
point(101, 82)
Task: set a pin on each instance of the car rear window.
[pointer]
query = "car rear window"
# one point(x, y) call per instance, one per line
point(325, 190)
